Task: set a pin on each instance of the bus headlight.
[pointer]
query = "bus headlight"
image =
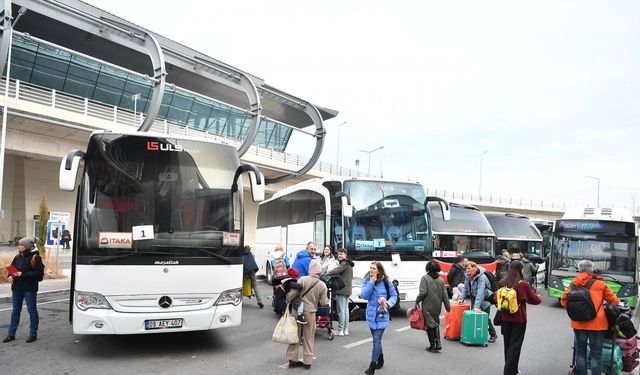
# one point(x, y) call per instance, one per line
point(628, 290)
point(85, 301)
point(357, 282)
point(555, 282)
point(230, 297)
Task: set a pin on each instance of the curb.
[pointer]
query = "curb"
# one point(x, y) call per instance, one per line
point(6, 298)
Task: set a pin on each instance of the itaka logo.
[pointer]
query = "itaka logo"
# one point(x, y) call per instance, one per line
point(115, 241)
point(157, 146)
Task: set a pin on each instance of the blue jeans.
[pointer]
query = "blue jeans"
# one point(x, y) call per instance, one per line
point(16, 300)
point(342, 307)
point(376, 334)
point(596, 340)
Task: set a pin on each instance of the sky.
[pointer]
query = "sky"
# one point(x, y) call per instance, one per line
point(549, 89)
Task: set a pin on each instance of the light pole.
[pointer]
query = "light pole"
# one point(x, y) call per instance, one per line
point(480, 179)
point(597, 179)
point(370, 152)
point(338, 146)
point(135, 98)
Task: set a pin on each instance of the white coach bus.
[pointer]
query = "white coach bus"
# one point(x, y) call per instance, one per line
point(378, 220)
point(158, 234)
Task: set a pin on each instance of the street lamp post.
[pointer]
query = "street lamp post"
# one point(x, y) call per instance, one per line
point(480, 179)
point(338, 145)
point(370, 152)
point(597, 179)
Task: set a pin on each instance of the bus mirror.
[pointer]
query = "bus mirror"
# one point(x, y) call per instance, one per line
point(69, 170)
point(257, 186)
point(256, 179)
point(347, 208)
point(444, 206)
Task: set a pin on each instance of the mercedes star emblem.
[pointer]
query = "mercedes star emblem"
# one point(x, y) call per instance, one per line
point(165, 302)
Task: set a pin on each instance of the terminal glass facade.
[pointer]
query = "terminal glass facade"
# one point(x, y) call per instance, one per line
point(50, 67)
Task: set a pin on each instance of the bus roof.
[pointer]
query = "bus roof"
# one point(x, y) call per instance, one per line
point(135, 133)
point(465, 220)
point(314, 183)
point(513, 226)
point(599, 213)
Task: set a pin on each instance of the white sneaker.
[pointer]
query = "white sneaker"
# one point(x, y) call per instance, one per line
point(346, 332)
point(339, 333)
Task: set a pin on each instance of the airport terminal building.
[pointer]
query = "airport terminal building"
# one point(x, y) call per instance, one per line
point(73, 69)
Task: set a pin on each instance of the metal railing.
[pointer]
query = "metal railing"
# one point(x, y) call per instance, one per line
point(499, 200)
point(84, 106)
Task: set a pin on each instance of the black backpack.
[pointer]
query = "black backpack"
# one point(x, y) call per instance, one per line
point(492, 286)
point(579, 304)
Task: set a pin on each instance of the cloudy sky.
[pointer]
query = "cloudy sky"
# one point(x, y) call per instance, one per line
point(550, 90)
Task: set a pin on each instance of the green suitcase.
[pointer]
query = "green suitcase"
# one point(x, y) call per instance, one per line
point(475, 328)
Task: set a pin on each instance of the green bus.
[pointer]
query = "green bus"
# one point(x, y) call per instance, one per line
point(606, 236)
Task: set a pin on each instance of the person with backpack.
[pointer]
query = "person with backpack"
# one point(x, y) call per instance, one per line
point(312, 294)
point(345, 271)
point(432, 295)
point(502, 264)
point(381, 296)
point(512, 298)
point(477, 286)
point(530, 270)
point(279, 265)
point(584, 301)
point(28, 271)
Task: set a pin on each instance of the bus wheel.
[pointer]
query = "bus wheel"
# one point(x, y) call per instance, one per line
point(269, 273)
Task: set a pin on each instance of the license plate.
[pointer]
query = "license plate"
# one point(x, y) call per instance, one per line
point(403, 296)
point(162, 323)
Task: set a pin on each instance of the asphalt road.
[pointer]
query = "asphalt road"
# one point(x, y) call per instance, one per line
point(248, 349)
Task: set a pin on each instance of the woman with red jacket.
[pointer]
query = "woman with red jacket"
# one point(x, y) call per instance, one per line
point(591, 331)
point(514, 325)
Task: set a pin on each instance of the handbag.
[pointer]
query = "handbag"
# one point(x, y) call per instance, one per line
point(416, 318)
point(497, 319)
point(286, 331)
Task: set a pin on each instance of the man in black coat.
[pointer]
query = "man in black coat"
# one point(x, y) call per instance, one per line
point(456, 274)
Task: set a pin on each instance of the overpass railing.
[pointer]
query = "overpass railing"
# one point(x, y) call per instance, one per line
point(84, 106)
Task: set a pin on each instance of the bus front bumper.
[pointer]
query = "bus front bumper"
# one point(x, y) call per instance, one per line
point(110, 322)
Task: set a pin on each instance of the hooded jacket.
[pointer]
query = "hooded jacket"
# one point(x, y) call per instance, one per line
point(371, 292)
point(599, 292)
point(345, 271)
point(477, 289)
point(302, 262)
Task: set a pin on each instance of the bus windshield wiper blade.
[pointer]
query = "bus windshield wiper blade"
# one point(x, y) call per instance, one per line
point(114, 257)
point(215, 255)
point(600, 273)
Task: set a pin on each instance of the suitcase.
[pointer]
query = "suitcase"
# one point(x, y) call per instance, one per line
point(475, 328)
point(629, 363)
point(627, 344)
point(453, 320)
point(607, 358)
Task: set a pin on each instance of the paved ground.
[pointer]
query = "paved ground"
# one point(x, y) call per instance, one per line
point(248, 349)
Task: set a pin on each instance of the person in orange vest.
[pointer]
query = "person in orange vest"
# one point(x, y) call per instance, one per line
point(591, 331)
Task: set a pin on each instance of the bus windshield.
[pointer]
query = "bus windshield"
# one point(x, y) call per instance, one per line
point(387, 216)
point(157, 197)
point(613, 253)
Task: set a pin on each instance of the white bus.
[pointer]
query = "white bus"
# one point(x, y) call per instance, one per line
point(158, 234)
point(377, 220)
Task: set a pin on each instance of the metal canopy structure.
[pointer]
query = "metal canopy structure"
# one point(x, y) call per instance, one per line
point(80, 27)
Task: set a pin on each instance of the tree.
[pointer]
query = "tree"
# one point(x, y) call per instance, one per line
point(42, 226)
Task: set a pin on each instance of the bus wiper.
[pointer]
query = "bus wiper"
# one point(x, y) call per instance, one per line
point(418, 253)
point(365, 256)
point(114, 257)
point(599, 273)
point(215, 255)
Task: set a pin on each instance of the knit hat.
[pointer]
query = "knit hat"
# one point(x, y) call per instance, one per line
point(315, 267)
point(293, 273)
point(28, 242)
